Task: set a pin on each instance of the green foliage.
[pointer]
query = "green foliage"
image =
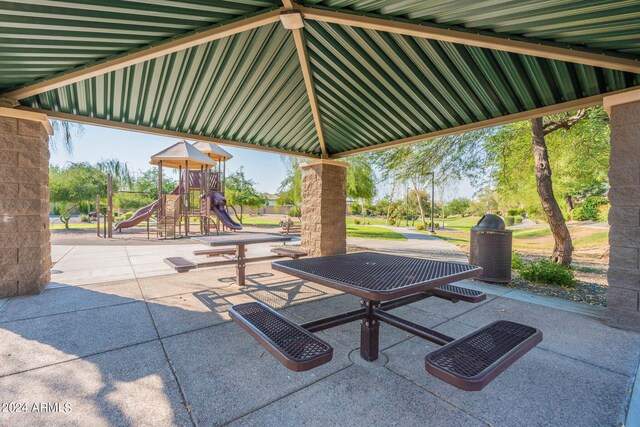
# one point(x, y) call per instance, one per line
point(290, 190)
point(392, 221)
point(536, 213)
point(295, 211)
point(517, 219)
point(128, 201)
point(579, 159)
point(516, 261)
point(603, 214)
point(360, 178)
point(122, 177)
point(458, 206)
point(547, 272)
point(354, 208)
point(420, 227)
point(509, 220)
point(519, 211)
point(84, 218)
point(127, 215)
point(240, 191)
point(147, 182)
point(590, 209)
point(75, 183)
point(356, 221)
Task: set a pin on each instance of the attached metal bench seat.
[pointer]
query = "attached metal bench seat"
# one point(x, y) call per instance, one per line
point(295, 347)
point(180, 264)
point(457, 293)
point(473, 361)
point(216, 252)
point(289, 252)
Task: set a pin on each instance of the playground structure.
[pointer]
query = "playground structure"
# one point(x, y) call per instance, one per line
point(198, 196)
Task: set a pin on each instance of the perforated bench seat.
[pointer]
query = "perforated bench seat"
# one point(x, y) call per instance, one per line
point(216, 252)
point(288, 252)
point(473, 361)
point(295, 347)
point(457, 293)
point(180, 264)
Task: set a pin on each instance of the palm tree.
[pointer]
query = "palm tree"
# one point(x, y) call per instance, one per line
point(118, 169)
point(63, 133)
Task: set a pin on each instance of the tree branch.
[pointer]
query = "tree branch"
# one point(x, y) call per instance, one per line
point(566, 123)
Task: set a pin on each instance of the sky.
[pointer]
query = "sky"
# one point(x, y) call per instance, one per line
point(265, 169)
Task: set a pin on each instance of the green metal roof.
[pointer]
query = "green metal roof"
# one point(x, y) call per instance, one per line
point(371, 86)
point(39, 38)
point(604, 24)
point(246, 88)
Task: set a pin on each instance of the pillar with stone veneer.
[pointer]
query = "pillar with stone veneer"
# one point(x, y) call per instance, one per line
point(623, 295)
point(324, 207)
point(25, 249)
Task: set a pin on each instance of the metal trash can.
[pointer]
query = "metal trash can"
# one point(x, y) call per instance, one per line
point(491, 249)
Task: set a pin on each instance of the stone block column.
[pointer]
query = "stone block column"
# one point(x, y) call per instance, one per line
point(324, 207)
point(623, 297)
point(25, 249)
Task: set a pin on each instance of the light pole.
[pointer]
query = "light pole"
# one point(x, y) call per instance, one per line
point(433, 189)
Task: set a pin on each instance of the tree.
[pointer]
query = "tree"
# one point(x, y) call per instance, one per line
point(122, 176)
point(240, 191)
point(521, 156)
point(73, 184)
point(360, 181)
point(458, 206)
point(63, 134)
point(290, 190)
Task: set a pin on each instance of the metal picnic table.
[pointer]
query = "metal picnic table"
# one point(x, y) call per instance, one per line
point(240, 241)
point(384, 282)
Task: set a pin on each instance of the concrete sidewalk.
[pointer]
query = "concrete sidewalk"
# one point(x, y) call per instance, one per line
point(162, 351)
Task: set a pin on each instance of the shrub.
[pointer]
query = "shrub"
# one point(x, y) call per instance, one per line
point(55, 209)
point(603, 213)
point(536, 213)
point(589, 209)
point(517, 219)
point(516, 261)
point(356, 221)
point(84, 218)
point(392, 221)
point(420, 227)
point(295, 211)
point(547, 272)
point(127, 215)
point(509, 220)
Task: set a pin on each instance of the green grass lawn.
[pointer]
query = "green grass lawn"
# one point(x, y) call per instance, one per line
point(371, 232)
point(595, 239)
point(351, 220)
point(79, 226)
point(458, 222)
point(257, 220)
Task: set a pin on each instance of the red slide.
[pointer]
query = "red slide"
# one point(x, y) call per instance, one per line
point(218, 206)
point(140, 215)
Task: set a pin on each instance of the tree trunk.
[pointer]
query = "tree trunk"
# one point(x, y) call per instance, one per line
point(424, 223)
point(569, 202)
point(393, 188)
point(563, 247)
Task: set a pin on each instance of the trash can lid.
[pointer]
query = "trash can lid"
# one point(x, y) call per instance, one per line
point(489, 222)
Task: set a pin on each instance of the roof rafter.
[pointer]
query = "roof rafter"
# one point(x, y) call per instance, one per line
point(305, 67)
point(146, 53)
point(161, 132)
point(510, 118)
point(544, 50)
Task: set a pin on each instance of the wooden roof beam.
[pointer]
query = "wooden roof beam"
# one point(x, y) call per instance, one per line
point(161, 132)
point(509, 118)
point(470, 38)
point(292, 20)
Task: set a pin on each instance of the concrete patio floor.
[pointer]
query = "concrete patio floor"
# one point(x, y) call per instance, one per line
point(161, 350)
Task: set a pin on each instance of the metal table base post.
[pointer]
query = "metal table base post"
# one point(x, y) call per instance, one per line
point(369, 332)
point(240, 266)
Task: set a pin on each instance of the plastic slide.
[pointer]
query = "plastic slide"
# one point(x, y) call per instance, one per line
point(140, 215)
point(218, 206)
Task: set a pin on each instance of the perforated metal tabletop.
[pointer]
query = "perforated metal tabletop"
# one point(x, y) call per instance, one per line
point(232, 239)
point(376, 276)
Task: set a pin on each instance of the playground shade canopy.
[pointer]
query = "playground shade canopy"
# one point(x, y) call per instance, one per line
point(315, 77)
point(213, 151)
point(179, 153)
